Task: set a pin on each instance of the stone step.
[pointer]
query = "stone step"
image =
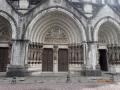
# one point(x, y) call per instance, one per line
point(91, 73)
point(2, 74)
point(54, 74)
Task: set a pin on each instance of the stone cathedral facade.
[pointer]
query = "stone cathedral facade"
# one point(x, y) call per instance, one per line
point(59, 36)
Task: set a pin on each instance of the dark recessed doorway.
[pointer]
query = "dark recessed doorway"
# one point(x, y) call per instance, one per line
point(103, 59)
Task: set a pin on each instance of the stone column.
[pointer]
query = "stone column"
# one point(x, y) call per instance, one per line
point(85, 52)
point(55, 59)
point(92, 61)
point(87, 55)
point(92, 55)
point(18, 58)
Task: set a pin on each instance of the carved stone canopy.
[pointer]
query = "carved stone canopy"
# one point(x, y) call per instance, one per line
point(56, 35)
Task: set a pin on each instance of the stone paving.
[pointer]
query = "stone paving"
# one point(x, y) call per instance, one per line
point(60, 86)
point(59, 83)
point(36, 83)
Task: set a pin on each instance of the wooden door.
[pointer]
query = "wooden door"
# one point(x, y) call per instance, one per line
point(63, 60)
point(4, 59)
point(47, 62)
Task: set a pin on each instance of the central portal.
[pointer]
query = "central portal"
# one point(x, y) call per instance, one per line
point(63, 60)
point(47, 62)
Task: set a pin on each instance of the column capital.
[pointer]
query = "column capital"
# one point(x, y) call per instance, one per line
point(20, 40)
point(15, 41)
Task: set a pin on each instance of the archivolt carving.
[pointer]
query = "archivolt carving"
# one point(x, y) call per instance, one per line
point(56, 35)
point(108, 34)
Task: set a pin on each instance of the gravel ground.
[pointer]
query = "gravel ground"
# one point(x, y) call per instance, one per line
point(45, 83)
point(60, 86)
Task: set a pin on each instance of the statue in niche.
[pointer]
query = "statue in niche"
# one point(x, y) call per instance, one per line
point(56, 35)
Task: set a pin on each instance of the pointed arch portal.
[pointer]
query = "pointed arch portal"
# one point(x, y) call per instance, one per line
point(55, 31)
point(107, 34)
point(5, 39)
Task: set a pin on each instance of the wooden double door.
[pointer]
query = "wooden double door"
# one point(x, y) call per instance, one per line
point(63, 60)
point(47, 62)
point(4, 58)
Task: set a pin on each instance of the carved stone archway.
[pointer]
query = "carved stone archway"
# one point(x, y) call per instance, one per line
point(5, 41)
point(106, 33)
point(60, 34)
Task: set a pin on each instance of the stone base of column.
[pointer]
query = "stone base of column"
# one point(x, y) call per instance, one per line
point(16, 71)
point(91, 73)
point(87, 71)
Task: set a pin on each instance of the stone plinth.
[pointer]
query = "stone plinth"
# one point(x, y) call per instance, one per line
point(16, 71)
point(91, 73)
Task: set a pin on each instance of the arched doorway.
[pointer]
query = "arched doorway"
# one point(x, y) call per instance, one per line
point(108, 35)
point(57, 38)
point(5, 47)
